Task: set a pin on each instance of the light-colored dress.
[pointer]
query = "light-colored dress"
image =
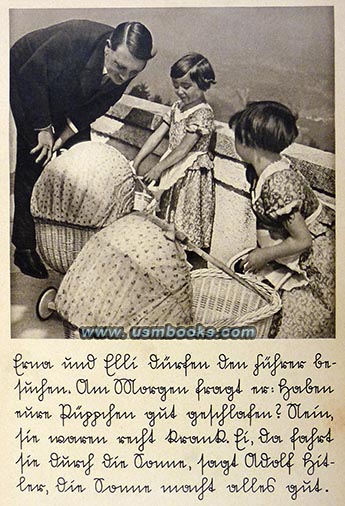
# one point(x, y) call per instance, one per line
point(189, 199)
point(310, 287)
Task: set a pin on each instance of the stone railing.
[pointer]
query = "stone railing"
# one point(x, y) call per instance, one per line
point(131, 121)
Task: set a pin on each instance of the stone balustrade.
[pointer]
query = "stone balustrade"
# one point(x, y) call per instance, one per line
point(131, 121)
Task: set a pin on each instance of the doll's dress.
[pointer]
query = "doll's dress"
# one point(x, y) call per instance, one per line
point(188, 199)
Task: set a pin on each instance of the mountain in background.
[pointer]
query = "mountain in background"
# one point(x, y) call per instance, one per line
point(308, 93)
point(279, 53)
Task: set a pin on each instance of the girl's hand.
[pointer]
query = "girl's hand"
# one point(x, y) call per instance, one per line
point(135, 164)
point(153, 174)
point(255, 260)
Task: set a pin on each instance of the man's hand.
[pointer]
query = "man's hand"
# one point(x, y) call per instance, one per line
point(64, 136)
point(45, 141)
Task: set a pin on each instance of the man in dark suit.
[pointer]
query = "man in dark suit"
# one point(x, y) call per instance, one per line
point(63, 77)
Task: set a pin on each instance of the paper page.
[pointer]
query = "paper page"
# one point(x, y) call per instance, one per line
point(192, 419)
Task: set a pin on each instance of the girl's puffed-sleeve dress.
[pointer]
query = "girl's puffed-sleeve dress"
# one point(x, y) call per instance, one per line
point(189, 197)
point(279, 191)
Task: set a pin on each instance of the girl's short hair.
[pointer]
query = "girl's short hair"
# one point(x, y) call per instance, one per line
point(266, 125)
point(137, 38)
point(200, 69)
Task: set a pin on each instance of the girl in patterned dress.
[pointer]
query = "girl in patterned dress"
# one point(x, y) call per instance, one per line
point(184, 175)
point(295, 243)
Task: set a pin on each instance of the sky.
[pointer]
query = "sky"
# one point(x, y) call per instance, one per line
point(278, 53)
point(303, 35)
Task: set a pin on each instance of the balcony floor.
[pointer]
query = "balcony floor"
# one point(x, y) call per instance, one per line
point(314, 322)
point(25, 292)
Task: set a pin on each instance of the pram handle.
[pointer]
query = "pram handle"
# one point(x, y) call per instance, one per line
point(173, 233)
point(221, 266)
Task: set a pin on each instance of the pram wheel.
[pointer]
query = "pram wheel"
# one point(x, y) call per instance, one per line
point(45, 306)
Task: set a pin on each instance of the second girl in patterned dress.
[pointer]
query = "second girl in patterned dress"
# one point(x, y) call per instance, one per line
point(295, 237)
point(185, 172)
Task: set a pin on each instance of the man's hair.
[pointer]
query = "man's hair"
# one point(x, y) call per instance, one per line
point(136, 37)
point(199, 68)
point(266, 125)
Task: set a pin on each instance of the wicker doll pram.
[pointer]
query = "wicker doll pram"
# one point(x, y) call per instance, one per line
point(224, 299)
point(218, 301)
point(89, 188)
point(221, 302)
point(220, 298)
point(224, 304)
point(78, 193)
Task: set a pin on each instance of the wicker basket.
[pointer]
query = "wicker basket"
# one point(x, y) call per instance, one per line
point(58, 245)
point(220, 301)
point(141, 201)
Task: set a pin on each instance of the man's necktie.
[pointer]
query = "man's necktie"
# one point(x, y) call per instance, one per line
point(105, 79)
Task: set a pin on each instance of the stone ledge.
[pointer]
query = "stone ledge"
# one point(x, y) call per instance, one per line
point(128, 124)
point(133, 119)
point(131, 134)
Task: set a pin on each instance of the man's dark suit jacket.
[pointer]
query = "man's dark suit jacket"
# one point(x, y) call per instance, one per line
point(56, 74)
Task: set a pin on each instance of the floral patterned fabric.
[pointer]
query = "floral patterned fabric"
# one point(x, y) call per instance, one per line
point(90, 185)
point(129, 273)
point(198, 119)
point(278, 192)
point(189, 203)
point(304, 316)
point(79, 192)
